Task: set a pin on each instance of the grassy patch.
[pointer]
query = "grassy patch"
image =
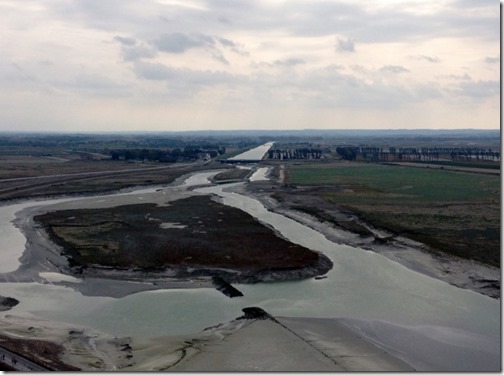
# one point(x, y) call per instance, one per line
point(196, 232)
point(232, 174)
point(324, 216)
point(409, 183)
point(453, 212)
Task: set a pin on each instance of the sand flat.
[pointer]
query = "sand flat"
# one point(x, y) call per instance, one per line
point(262, 345)
point(350, 350)
point(292, 344)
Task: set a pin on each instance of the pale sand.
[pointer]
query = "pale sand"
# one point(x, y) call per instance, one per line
point(463, 273)
point(283, 344)
point(84, 348)
point(291, 344)
point(299, 344)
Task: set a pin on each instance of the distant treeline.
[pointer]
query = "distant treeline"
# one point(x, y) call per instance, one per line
point(416, 154)
point(168, 155)
point(297, 153)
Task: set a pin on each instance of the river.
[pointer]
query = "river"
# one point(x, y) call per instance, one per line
point(408, 313)
point(256, 153)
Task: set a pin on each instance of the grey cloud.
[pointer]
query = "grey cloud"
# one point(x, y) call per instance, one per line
point(472, 4)
point(93, 85)
point(289, 62)
point(306, 18)
point(131, 49)
point(223, 20)
point(226, 42)
point(179, 43)
point(232, 46)
point(479, 89)
point(327, 87)
point(51, 79)
point(125, 40)
point(431, 59)
point(106, 15)
point(345, 45)
point(46, 62)
point(330, 87)
point(137, 52)
point(395, 69)
point(464, 77)
point(388, 24)
point(359, 69)
point(492, 60)
point(184, 81)
point(153, 71)
point(219, 56)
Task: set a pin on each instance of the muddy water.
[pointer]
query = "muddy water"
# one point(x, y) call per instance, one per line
point(382, 299)
point(362, 284)
point(254, 154)
point(260, 174)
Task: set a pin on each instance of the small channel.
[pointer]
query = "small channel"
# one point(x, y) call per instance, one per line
point(255, 153)
point(362, 285)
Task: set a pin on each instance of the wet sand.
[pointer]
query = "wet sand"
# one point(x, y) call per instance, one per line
point(42, 256)
point(284, 344)
point(291, 344)
point(273, 344)
point(463, 273)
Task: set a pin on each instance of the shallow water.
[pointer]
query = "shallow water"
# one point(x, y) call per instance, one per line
point(362, 285)
point(255, 153)
point(260, 174)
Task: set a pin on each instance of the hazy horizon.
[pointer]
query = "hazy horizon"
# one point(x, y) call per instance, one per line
point(200, 65)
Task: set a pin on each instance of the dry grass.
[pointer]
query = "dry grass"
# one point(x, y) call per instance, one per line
point(200, 233)
point(453, 212)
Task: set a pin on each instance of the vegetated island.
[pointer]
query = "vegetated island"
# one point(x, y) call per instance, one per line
point(7, 303)
point(191, 237)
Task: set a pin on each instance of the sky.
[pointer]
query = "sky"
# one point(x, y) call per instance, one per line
point(178, 65)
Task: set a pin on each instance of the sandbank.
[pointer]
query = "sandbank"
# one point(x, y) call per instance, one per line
point(291, 344)
point(462, 273)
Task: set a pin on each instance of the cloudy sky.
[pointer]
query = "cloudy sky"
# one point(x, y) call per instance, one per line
point(87, 65)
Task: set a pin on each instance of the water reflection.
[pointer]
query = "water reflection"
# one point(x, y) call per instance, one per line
point(361, 285)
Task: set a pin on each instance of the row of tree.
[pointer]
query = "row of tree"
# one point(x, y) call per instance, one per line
point(298, 153)
point(168, 155)
point(416, 154)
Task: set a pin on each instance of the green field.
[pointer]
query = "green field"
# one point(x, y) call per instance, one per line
point(369, 180)
point(453, 212)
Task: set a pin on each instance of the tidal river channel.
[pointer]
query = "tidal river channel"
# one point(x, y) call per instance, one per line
point(425, 321)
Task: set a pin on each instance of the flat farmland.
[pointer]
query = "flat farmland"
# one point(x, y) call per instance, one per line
point(452, 212)
point(35, 179)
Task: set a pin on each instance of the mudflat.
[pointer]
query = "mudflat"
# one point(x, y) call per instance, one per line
point(194, 233)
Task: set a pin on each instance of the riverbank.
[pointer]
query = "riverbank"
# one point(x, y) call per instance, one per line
point(414, 255)
point(382, 294)
point(248, 343)
point(288, 344)
point(42, 256)
point(262, 262)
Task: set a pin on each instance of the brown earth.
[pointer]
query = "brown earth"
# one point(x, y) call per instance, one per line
point(89, 177)
point(195, 232)
point(467, 229)
point(463, 229)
